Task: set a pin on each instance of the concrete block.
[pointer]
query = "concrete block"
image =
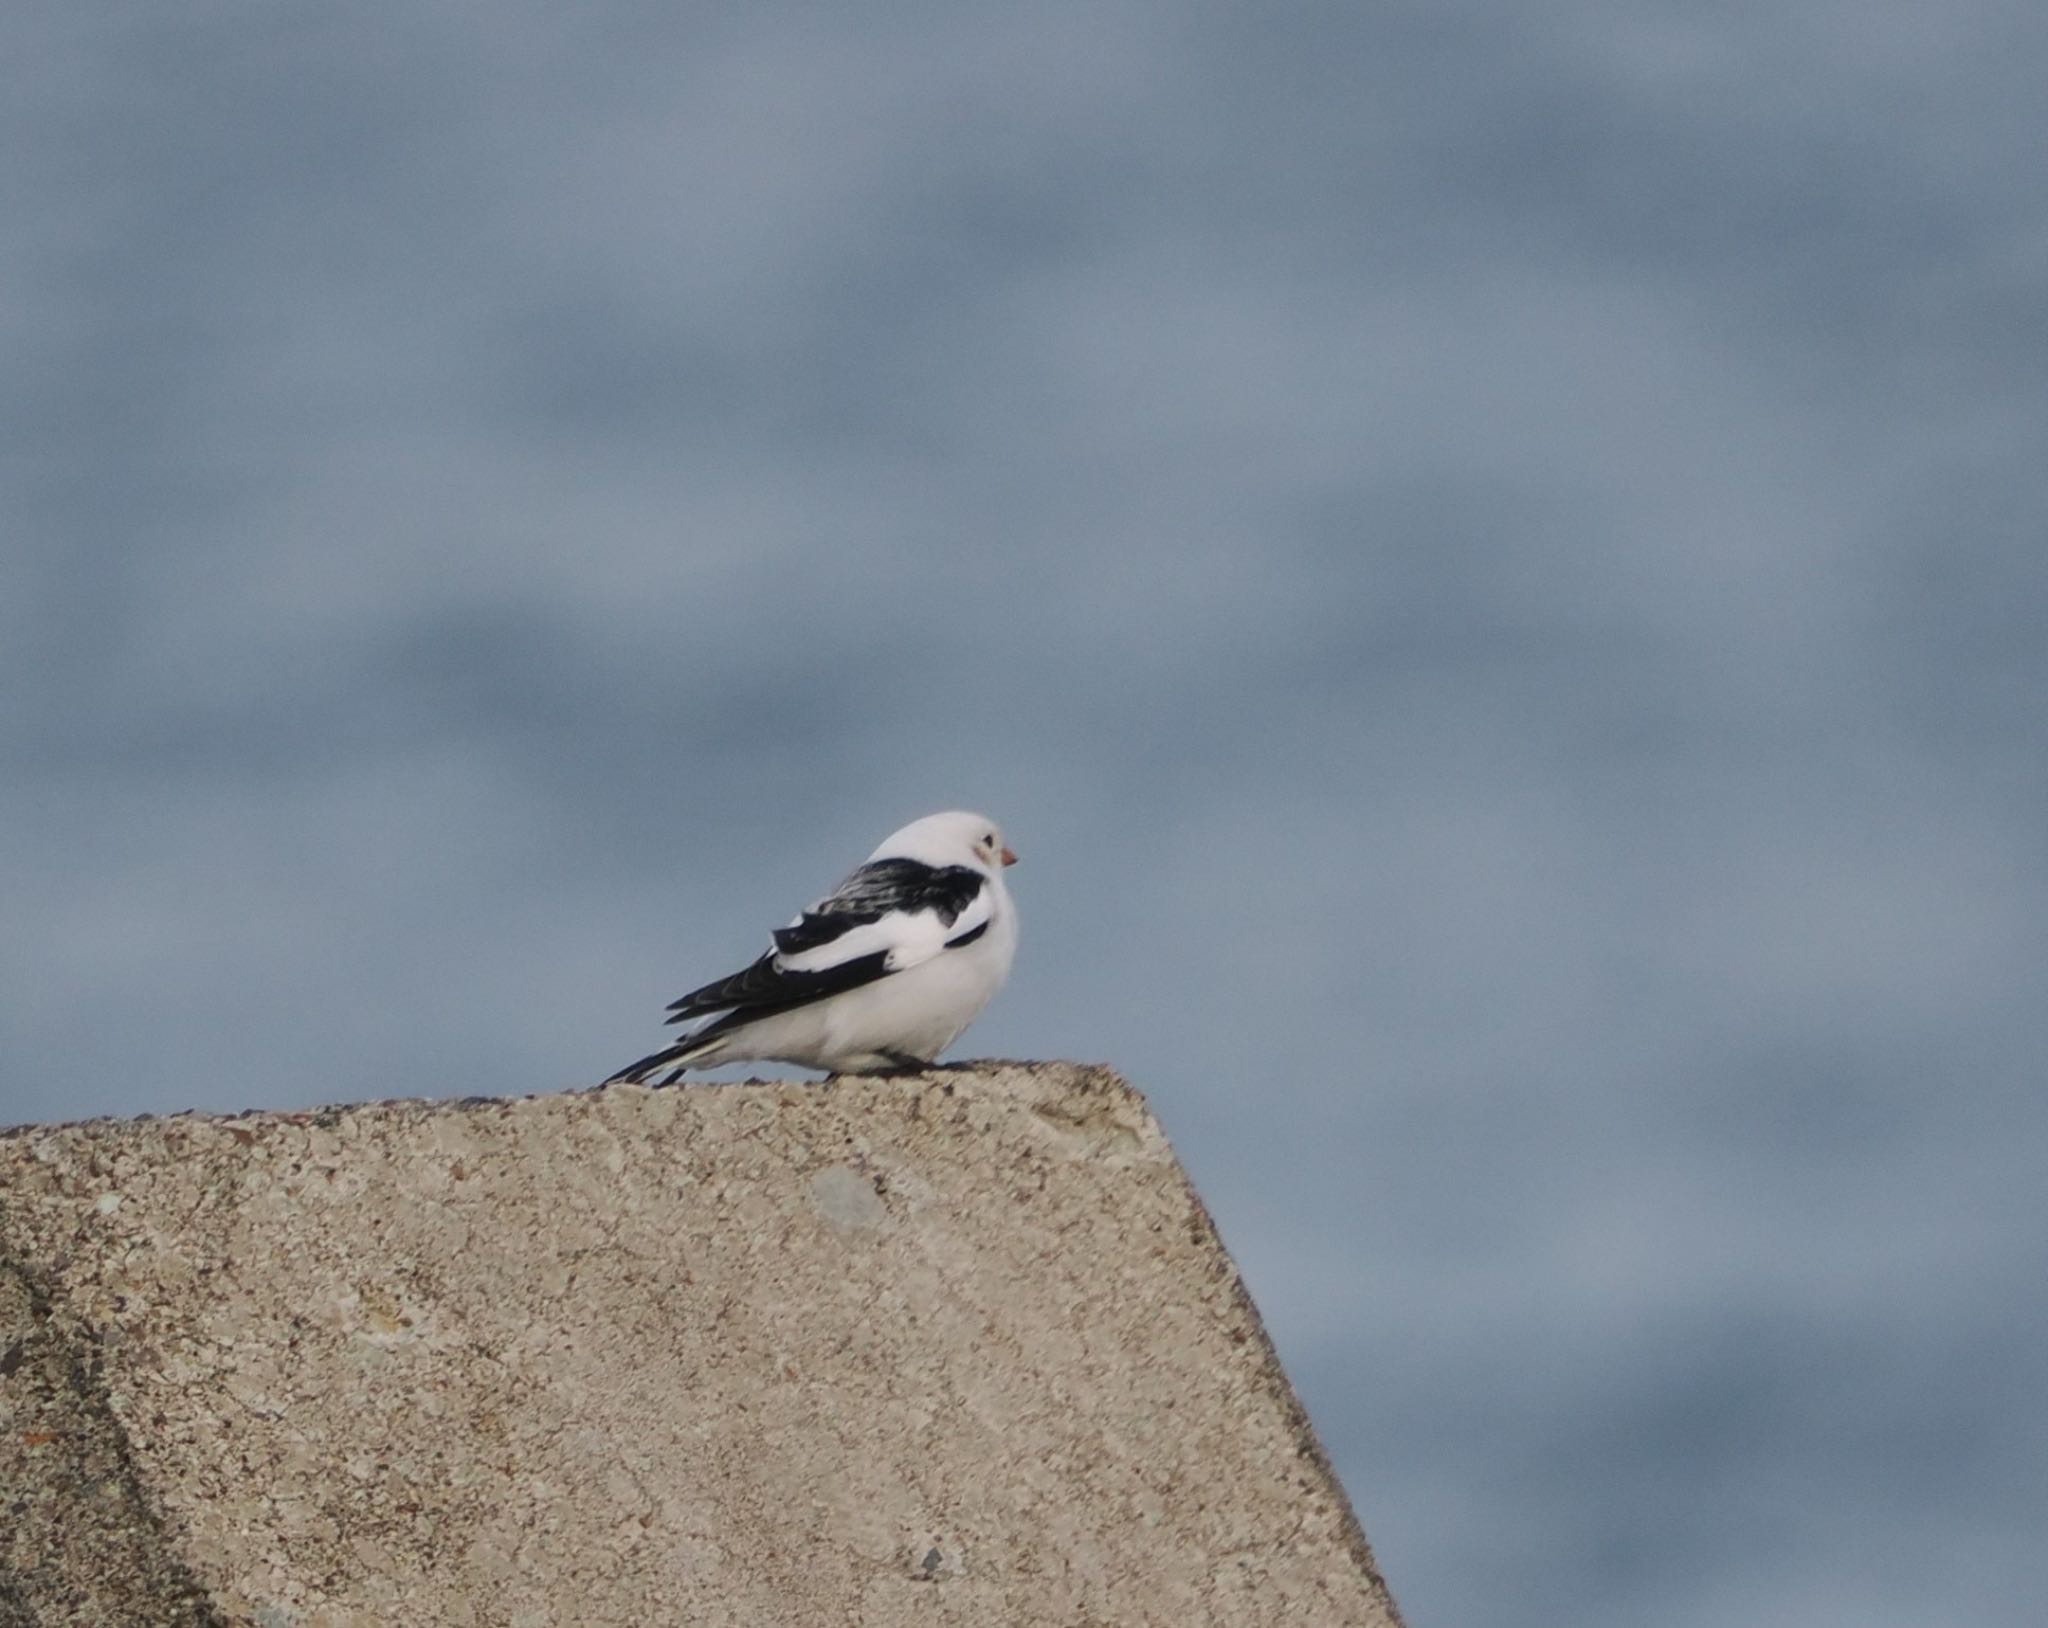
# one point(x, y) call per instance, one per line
point(951, 1348)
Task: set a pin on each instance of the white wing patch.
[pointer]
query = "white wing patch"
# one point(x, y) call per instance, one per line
point(907, 937)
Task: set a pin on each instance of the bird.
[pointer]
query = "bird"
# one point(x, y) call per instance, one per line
point(879, 976)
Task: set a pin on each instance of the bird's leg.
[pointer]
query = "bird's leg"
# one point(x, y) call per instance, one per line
point(901, 1062)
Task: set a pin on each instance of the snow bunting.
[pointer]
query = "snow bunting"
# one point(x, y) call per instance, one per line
point(884, 972)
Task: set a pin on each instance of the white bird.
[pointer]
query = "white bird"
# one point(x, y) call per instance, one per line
point(885, 972)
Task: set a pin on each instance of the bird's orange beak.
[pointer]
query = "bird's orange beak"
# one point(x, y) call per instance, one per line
point(1008, 857)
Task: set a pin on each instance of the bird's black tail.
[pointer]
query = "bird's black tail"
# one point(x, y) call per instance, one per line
point(674, 1058)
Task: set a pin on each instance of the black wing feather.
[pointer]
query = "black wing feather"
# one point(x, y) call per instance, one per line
point(869, 894)
point(789, 990)
point(764, 988)
point(878, 887)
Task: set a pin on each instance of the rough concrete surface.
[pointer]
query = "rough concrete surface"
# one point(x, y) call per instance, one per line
point(951, 1348)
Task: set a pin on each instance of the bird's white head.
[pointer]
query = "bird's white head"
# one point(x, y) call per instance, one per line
point(952, 838)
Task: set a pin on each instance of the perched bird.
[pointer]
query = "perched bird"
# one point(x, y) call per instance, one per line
point(884, 972)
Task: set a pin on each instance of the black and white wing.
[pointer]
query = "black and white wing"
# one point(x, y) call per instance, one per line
point(888, 915)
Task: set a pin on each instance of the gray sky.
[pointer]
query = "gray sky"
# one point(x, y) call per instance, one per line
point(1491, 563)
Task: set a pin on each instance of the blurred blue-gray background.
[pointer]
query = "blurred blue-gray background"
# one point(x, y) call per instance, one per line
point(1491, 562)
